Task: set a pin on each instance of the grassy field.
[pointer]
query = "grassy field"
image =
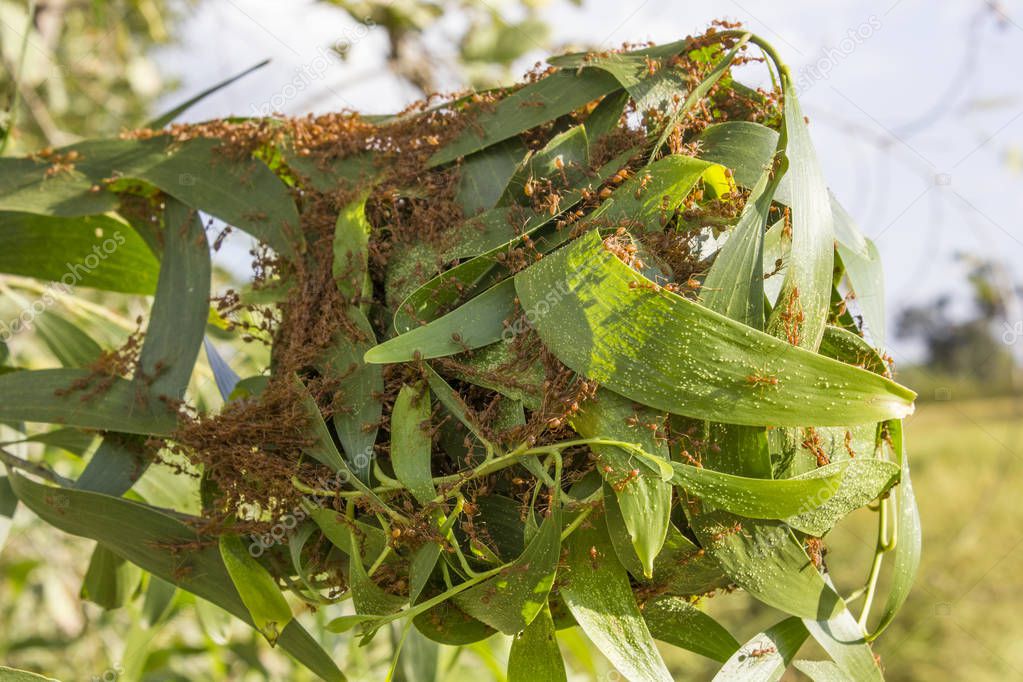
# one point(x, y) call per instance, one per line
point(963, 620)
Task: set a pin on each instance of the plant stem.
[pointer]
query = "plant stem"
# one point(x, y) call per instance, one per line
point(39, 470)
point(883, 546)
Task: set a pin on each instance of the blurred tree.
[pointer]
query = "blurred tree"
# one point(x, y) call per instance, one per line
point(974, 348)
point(64, 62)
point(488, 42)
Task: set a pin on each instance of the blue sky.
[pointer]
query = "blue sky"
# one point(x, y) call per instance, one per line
point(916, 106)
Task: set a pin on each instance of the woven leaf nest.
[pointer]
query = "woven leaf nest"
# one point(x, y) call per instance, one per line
point(581, 351)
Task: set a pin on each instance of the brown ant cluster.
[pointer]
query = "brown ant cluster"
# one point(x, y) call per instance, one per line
point(251, 451)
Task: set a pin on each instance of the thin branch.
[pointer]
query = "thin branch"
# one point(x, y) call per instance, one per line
point(39, 470)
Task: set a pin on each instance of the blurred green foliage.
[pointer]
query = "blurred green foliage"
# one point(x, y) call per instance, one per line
point(78, 69)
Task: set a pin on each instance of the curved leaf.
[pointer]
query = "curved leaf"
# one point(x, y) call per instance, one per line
point(527, 107)
point(673, 354)
point(678, 622)
point(642, 501)
point(511, 600)
point(909, 543)
point(258, 590)
point(244, 193)
point(92, 251)
point(757, 497)
point(534, 655)
point(46, 395)
point(360, 386)
point(863, 480)
point(410, 444)
point(764, 657)
point(597, 592)
point(478, 322)
point(164, 546)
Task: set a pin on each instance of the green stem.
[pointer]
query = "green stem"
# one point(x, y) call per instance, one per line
point(875, 569)
point(37, 469)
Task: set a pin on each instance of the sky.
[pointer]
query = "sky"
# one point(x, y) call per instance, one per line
point(915, 106)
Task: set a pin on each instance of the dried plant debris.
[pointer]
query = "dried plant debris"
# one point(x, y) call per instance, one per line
point(528, 356)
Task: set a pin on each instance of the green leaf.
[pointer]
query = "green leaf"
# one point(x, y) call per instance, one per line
point(421, 568)
point(360, 385)
point(181, 306)
point(802, 309)
point(410, 445)
point(534, 655)
point(670, 353)
point(8, 506)
point(643, 502)
point(296, 543)
point(758, 497)
point(685, 568)
point(166, 547)
point(822, 671)
point(257, 588)
point(420, 657)
point(863, 480)
point(322, 448)
point(168, 116)
point(676, 621)
point(485, 174)
point(842, 637)
point(24, 187)
point(45, 395)
point(448, 624)
point(453, 403)
point(110, 581)
point(565, 160)
point(511, 600)
point(487, 238)
point(699, 92)
point(605, 117)
point(764, 657)
point(766, 560)
point(866, 275)
point(97, 252)
point(746, 148)
point(75, 441)
point(632, 70)
point(115, 467)
point(478, 322)
point(597, 592)
point(244, 193)
point(171, 346)
point(368, 597)
point(71, 346)
point(351, 251)
point(646, 201)
point(345, 623)
point(735, 283)
point(556, 95)
point(851, 349)
point(909, 538)
point(159, 601)
point(338, 530)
